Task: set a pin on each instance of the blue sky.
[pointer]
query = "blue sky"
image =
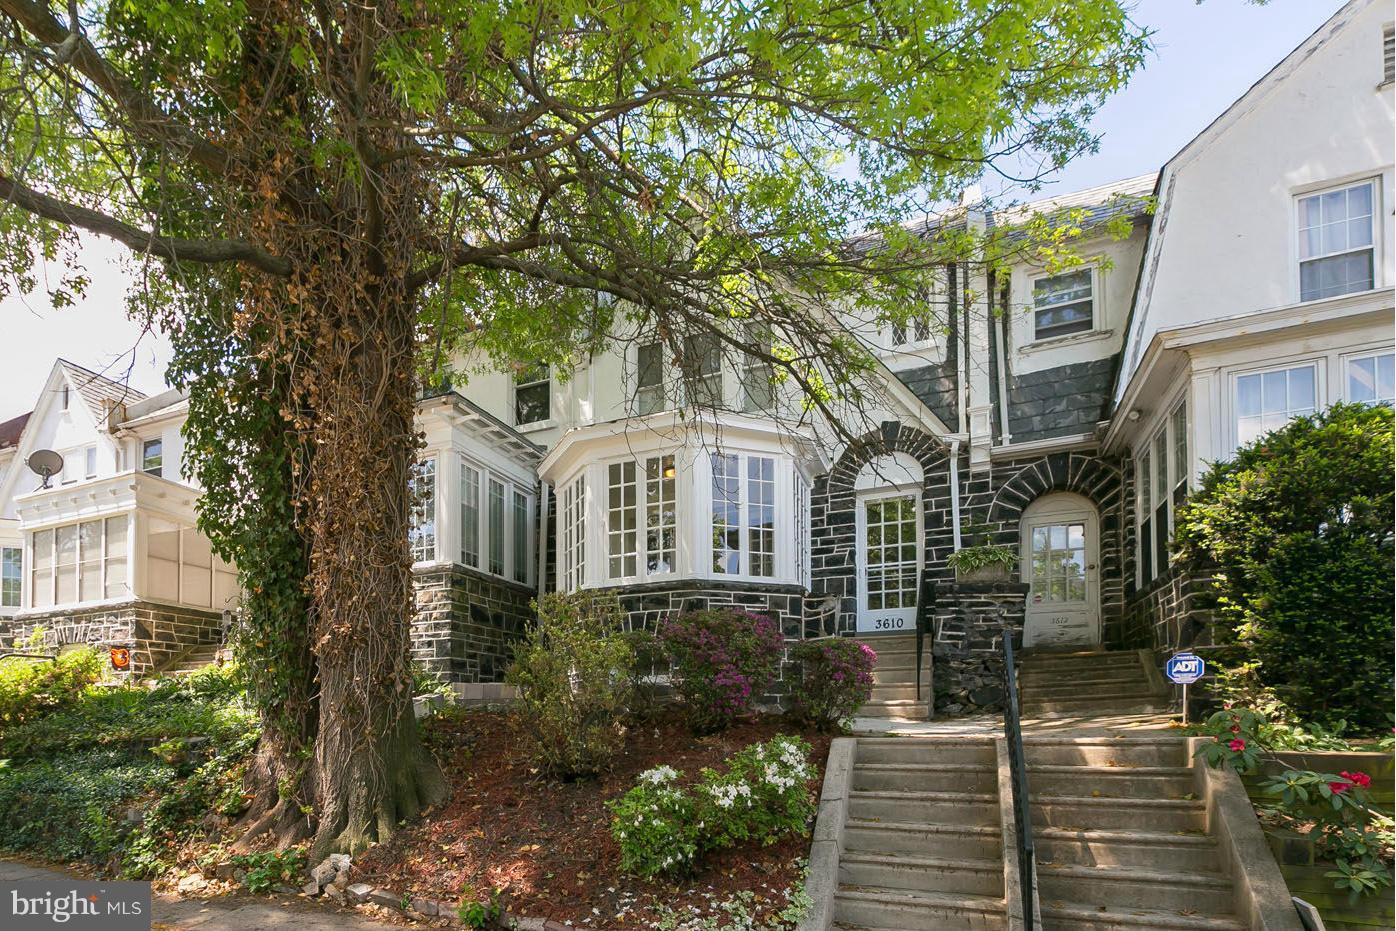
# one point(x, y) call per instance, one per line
point(1207, 54)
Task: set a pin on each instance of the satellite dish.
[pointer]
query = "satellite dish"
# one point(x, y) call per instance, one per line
point(45, 462)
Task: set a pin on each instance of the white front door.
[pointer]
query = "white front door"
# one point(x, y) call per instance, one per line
point(1060, 557)
point(889, 538)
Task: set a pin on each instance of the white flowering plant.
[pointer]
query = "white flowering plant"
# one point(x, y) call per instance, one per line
point(763, 795)
point(654, 825)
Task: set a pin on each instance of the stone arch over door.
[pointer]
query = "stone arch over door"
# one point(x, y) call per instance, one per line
point(833, 517)
point(1085, 474)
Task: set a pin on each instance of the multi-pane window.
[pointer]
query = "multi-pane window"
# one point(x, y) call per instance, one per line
point(1336, 253)
point(152, 457)
point(421, 528)
point(727, 514)
point(469, 516)
point(1063, 304)
point(892, 552)
point(756, 371)
point(532, 394)
point(1059, 563)
point(496, 527)
point(761, 515)
point(572, 555)
point(661, 515)
point(521, 535)
point(649, 378)
point(1371, 379)
point(912, 332)
point(1266, 401)
point(621, 497)
point(1161, 478)
point(802, 551)
point(11, 576)
point(702, 369)
point(83, 562)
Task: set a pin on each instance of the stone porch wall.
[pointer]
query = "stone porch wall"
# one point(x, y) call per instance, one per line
point(154, 633)
point(466, 622)
point(969, 622)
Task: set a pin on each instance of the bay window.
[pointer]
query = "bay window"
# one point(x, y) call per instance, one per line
point(496, 523)
point(522, 531)
point(496, 527)
point(630, 520)
point(469, 516)
point(620, 520)
point(421, 530)
point(1266, 401)
point(743, 515)
point(661, 514)
point(572, 527)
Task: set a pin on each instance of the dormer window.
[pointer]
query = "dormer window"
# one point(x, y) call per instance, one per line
point(1063, 304)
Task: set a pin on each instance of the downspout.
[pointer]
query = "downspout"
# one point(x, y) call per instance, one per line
point(999, 336)
point(955, 491)
point(542, 539)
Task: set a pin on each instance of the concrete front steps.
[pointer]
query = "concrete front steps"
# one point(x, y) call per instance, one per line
point(1087, 684)
point(894, 679)
point(1121, 840)
point(922, 848)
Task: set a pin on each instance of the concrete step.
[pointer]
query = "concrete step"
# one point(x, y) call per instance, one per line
point(1130, 687)
point(900, 675)
point(1096, 658)
point(1087, 813)
point(902, 692)
point(926, 749)
point(1138, 849)
point(925, 777)
point(960, 808)
point(898, 708)
point(1131, 887)
point(922, 874)
point(1075, 917)
point(1093, 705)
point(867, 907)
point(1112, 782)
point(1106, 751)
point(972, 842)
point(1047, 675)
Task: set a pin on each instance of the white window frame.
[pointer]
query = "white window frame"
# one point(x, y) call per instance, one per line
point(1299, 197)
point(471, 502)
point(651, 399)
point(159, 470)
point(89, 455)
point(640, 514)
point(1349, 358)
point(1160, 487)
point(1318, 364)
point(5, 552)
point(1097, 307)
point(781, 560)
point(104, 560)
point(515, 386)
point(716, 379)
point(420, 554)
point(572, 530)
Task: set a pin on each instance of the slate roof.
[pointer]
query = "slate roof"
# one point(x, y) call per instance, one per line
point(96, 388)
point(12, 429)
point(1100, 202)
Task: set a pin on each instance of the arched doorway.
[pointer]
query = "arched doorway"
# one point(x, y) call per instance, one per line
point(1060, 562)
point(889, 551)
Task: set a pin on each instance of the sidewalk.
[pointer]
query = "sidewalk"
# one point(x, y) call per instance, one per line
point(232, 913)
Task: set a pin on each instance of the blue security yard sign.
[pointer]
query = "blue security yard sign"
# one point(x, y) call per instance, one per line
point(1184, 668)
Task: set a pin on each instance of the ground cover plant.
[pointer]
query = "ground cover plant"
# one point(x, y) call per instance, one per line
point(546, 846)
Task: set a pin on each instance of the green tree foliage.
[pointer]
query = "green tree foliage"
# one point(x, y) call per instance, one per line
point(1297, 529)
point(327, 196)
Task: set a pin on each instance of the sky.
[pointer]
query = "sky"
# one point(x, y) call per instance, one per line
point(1206, 55)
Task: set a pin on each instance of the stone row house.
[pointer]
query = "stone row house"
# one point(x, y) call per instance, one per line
point(1062, 414)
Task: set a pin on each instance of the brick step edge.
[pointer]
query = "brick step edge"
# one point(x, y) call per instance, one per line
point(419, 906)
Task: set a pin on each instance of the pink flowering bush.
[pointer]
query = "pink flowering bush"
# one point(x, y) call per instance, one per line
point(725, 661)
point(836, 679)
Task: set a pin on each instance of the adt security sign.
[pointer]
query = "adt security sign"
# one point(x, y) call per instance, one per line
point(1184, 668)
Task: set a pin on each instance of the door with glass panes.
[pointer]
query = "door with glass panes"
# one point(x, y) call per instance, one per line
point(889, 529)
point(1060, 546)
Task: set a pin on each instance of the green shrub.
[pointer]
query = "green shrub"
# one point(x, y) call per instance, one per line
point(1297, 531)
point(725, 659)
point(573, 673)
point(836, 679)
point(650, 658)
point(32, 688)
point(271, 868)
point(762, 795)
point(72, 806)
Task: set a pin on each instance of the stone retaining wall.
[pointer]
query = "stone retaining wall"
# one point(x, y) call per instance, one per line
point(967, 643)
point(467, 622)
point(154, 633)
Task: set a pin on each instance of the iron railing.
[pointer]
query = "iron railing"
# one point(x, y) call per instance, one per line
point(925, 610)
point(1018, 770)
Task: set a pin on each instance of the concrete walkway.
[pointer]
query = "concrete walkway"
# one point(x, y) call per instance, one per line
point(991, 725)
point(230, 913)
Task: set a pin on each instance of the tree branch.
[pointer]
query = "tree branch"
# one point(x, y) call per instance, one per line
point(204, 251)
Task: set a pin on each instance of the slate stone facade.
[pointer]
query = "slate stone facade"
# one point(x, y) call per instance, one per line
point(1061, 401)
point(154, 633)
point(969, 623)
point(646, 605)
point(467, 621)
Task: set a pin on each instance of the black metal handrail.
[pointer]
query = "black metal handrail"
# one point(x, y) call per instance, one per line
point(925, 610)
point(1018, 770)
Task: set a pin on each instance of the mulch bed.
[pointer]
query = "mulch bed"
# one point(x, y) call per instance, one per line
point(547, 845)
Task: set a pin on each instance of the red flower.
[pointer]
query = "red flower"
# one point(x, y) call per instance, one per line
point(1237, 745)
point(1235, 728)
point(1358, 779)
point(1338, 788)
